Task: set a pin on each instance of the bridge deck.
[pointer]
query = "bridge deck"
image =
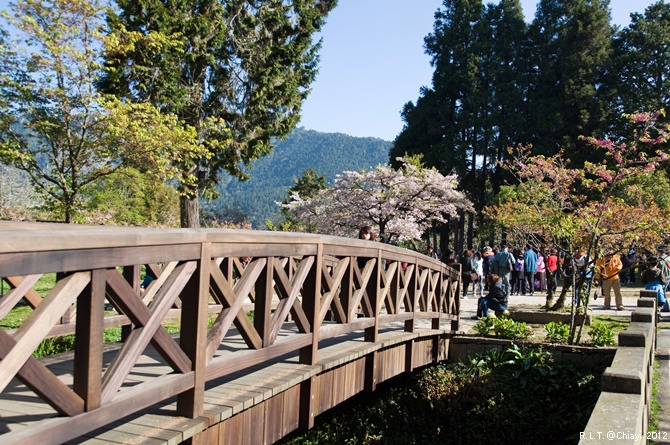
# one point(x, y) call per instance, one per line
point(224, 397)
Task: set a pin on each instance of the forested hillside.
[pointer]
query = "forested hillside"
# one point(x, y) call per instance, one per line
point(327, 153)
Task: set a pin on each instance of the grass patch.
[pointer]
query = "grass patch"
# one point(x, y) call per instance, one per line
point(615, 323)
point(655, 407)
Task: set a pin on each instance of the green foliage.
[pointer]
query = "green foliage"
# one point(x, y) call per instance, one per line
point(557, 332)
point(503, 328)
point(484, 326)
point(54, 124)
point(248, 66)
point(500, 397)
point(130, 197)
point(56, 345)
point(601, 334)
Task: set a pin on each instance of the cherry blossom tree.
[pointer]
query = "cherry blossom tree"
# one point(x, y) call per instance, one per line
point(400, 204)
point(599, 208)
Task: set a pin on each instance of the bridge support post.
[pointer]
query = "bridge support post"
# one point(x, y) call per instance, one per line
point(409, 356)
point(311, 304)
point(88, 342)
point(307, 404)
point(193, 341)
point(371, 371)
point(132, 276)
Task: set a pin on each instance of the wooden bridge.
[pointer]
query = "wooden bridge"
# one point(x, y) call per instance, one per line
point(275, 329)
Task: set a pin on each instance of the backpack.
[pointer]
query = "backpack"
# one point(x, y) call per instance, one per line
point(518, 265)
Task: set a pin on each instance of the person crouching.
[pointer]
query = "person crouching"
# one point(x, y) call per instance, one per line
point(496, 299)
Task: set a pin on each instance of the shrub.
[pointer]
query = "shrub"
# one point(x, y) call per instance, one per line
point(557, 332)
point(503, 328)
point(499, 397)
point(601, 335)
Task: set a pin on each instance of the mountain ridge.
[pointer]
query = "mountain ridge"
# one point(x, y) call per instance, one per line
point(327, 153)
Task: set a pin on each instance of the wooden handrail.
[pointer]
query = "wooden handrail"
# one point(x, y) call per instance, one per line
point(303, 288)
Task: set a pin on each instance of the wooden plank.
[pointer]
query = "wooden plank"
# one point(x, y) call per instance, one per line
point(140, 337)
point(292, 290)
point(311, 301)
point(233, 300)
point(22, 287)
point(59, 430)
point(43, 382)
point(87, 259)
point(256, 422)
point(273, 429)
point(333, 283)
point(264, 290)
point(123, 295)
point(162, 276)
point(38, 324)
point(222, 366)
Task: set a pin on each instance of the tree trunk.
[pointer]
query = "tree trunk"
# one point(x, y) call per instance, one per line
point(189, 211)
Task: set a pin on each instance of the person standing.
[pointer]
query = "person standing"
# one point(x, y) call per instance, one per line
point(552, 270)
point(466, 270)
point(518, 281)
point(366, 233)
point(478, 266)
point(503, 263)
point(632, 260)
point(489, 255)
point(431, 252)
point(664, 262)
point(608, 268)
point(541, 275)
point(530, 267)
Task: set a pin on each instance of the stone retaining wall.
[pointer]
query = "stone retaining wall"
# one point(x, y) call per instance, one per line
point(621, 414)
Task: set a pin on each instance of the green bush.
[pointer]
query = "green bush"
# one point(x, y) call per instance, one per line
point(503, 328)
point(503, 396)
point(557, 332)
point(601, 335)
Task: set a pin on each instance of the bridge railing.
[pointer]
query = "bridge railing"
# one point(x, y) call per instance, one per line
point(301, 289)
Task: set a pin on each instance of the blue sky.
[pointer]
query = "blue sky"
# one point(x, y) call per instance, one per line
point(373, 62)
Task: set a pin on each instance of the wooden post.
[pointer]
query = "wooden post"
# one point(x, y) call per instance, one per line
point(410, 325)
point(373, 290)
point(88, 341)
point(263, 304)
point(193, 337)
point(311, 299)
point(347, 289)
point(132, 276)
point(311, 304)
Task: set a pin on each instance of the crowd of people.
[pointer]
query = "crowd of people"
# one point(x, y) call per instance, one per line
point(517, 271)
point(492, 274)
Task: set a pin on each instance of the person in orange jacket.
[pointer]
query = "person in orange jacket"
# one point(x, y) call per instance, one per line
point(608, 268)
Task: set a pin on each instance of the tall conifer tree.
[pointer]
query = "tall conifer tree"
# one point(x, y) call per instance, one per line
point(571, 42)
point(641, 66)
point(237, 70)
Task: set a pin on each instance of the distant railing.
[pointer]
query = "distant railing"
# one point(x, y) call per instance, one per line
point(302, 289)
